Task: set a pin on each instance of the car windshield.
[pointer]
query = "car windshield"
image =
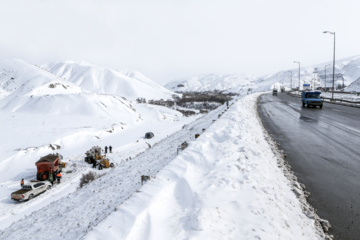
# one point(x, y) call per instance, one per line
point(313, 95)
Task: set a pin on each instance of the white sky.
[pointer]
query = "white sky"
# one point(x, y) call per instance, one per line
point(170, 39)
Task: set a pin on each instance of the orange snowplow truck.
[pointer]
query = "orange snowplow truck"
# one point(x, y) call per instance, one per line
point(48, 167)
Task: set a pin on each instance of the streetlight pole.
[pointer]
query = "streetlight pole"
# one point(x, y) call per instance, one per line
point(333, 33)
point(325, 75)
point(299, 73)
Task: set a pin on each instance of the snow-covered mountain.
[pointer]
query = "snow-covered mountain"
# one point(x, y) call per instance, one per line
point(354, 86)
point(30, 89)
point(211, 82)
point(347, 71)
point(125, 83)
point(351, 71)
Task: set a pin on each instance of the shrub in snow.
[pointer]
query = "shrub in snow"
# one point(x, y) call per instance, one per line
point(89, 177)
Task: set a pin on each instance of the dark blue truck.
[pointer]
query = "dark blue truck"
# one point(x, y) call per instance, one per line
point(309, 99)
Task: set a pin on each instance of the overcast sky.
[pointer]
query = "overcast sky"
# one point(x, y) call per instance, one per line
point(170, 39)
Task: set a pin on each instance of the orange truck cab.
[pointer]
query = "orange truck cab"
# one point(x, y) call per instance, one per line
point(48, 167)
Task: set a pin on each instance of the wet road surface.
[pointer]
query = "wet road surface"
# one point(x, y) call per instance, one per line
point(323, 149)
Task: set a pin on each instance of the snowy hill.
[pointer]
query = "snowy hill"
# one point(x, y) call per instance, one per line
point(211, 82)
point(351, 70)
point(19, 77)
point(125, 83)
point(29, 89)
point(354, 86)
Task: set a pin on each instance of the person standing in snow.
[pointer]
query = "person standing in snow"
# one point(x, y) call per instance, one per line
point(106, 149)
point(58, 177)
point(22, 182)
point(110, 149)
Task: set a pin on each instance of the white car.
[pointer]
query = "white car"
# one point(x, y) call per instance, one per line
point(30, 190)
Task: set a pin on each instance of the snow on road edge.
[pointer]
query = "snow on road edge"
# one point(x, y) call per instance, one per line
point(228, 184)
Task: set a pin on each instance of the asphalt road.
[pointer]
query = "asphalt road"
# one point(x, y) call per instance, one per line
point(323, 149)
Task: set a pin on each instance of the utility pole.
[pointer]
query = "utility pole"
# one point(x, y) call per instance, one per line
point(332, 98)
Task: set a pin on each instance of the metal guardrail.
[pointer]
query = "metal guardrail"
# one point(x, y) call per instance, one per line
point(357, 93)
point(341, 100)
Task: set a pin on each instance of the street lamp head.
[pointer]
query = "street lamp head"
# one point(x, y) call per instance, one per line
point(329, 32)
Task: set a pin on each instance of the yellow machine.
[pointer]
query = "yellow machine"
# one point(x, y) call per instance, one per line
point(95, 157)
point(105, 163)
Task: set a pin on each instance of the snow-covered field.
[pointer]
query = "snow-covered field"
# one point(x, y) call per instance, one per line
point(227, 184)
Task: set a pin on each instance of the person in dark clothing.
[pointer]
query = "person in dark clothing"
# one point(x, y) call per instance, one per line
point(106, 148)
point(58, 177)
point(22, 182)
point(110, 149)
point(93, 162)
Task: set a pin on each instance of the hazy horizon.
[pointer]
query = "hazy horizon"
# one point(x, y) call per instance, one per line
point(167, 40)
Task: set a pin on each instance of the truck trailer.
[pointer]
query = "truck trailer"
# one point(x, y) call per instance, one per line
point(48, 167)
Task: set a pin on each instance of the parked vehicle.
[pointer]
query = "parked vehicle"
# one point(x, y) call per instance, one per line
point(149, 135)
point(48, 167)
point(311, 98)
point(274, 93)
point(93, 154)
point(30, 190)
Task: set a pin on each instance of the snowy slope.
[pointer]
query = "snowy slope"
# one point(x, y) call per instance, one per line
point(30, 89)
point(351, 69)
point(225, 185)
point(128, 84)
point(354, 86)
point(211, 82)
point(19, 77)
